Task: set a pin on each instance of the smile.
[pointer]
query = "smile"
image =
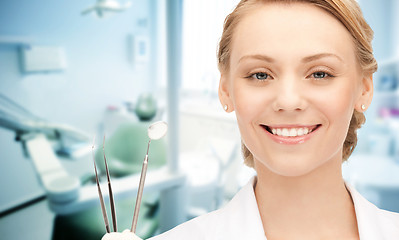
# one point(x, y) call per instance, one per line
point(293, 134)
point(292, 131)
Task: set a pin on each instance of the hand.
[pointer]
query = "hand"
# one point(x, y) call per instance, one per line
point(125, 235)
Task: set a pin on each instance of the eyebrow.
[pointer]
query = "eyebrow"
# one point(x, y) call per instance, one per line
point(305, 59)
point(321, 55)
point(257, 57)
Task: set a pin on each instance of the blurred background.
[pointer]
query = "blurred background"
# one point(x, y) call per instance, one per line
point(73, 70)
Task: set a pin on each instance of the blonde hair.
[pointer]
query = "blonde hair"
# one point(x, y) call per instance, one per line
point(349, 14)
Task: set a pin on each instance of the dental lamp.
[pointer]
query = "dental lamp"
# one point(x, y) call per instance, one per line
point(104, 7)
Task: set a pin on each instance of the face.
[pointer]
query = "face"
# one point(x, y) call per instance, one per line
point(294, 82)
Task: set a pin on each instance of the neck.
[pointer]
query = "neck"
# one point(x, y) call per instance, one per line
point(315, 205)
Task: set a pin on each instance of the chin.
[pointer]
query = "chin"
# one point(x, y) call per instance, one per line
point(288, 168)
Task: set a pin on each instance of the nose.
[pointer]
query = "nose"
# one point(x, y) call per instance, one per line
point(289, 96)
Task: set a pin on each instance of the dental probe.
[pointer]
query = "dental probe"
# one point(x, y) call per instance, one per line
point(103, 210)
point(111, 195)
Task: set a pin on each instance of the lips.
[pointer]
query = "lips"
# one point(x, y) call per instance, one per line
point(291, 134)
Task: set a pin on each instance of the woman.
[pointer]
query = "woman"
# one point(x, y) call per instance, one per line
point(298, 75)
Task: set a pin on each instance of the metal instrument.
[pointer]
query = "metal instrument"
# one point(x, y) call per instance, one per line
point(111, 196)
point(155, 131)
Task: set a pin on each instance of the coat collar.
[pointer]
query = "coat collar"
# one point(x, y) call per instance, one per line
point(242, 211)
point(373, 223)
point(366, 215)
point(240, 219)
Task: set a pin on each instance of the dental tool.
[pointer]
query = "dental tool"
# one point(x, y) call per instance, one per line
point(100, 195)
point(103, 210)
point(155, 131)
point(111, 195)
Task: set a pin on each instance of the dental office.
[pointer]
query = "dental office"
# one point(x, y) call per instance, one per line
point(82, 81)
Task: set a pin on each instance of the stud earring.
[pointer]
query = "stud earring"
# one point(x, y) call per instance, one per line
point(363, 107)
point(225, 107)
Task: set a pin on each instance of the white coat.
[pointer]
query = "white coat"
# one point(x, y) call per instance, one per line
point(240, 219)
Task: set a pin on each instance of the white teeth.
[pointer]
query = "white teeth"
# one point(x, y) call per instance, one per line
point(285, 132)
point(291, 132)
point(279, 131)
point(300, 132)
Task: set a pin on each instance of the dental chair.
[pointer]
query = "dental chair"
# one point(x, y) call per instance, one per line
point(124, 151)
point(75, 201)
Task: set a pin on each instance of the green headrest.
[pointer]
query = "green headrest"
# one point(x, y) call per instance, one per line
point(126, 148)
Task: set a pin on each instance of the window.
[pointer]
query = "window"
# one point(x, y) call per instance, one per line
point(202, 28)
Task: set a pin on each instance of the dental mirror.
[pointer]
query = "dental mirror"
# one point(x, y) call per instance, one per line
point(157, 130)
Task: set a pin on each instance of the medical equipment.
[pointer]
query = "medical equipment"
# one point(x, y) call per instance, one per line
point(16, 118)
point(155, 131)
point(43, 142)
point(111, 196)
point(146, 107)
point(105, 6)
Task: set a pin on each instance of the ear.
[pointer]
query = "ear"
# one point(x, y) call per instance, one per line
point(366, 94)
point(225, 93)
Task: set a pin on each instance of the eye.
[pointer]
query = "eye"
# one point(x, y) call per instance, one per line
point(261, 76)
point(320, 75)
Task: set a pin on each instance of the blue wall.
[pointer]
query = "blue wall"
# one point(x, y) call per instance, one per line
point(100, 72)
point(395, 25)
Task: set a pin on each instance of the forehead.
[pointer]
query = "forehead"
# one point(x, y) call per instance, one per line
point(292, 30)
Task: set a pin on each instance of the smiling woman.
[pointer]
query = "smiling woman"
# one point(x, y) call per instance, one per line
point(330, 58)
point(298, 75)
point(292, 97)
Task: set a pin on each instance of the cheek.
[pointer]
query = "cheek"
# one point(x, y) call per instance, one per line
point(249, 102)
point(338, 103)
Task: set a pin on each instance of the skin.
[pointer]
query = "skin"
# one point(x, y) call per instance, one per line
point(295, 66)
